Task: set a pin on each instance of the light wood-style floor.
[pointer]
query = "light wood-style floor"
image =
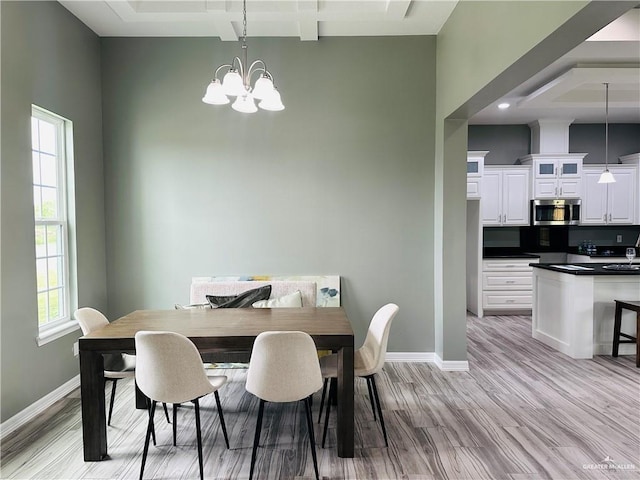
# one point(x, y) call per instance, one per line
point(522, 412)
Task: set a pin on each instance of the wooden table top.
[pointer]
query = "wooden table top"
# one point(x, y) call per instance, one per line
point(329, 324)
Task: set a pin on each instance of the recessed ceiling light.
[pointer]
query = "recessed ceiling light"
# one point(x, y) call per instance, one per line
point(503, 106)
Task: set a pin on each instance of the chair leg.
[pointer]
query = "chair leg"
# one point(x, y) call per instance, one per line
point(375, 392)
point(312, 439)
point(373, 408)
point(175, 422)
point(166, 412)
point(152, 410)
point(199, 437)
point(256, 438)
point(222, 424)
point(114, 382)
point(324, 392)
point(153, 428)
point(332, 392)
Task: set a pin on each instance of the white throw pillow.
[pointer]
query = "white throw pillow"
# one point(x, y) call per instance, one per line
point(192, 307)
point(293, 300)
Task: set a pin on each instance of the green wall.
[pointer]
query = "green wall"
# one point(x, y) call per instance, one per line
point(338, 183)
point(51, 59)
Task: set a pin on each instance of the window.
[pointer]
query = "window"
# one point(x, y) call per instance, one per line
point(49, 134)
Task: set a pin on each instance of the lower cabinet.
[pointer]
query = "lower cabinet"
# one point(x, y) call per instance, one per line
point(507, 284)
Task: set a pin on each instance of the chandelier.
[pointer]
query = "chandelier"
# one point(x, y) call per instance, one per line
point(606, 176)
point(237, 82)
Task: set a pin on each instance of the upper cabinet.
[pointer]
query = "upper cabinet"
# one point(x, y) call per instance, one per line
point(475, 169)
point(505, 196)
point(634, 159)
point(609, 203)
point(555, 175)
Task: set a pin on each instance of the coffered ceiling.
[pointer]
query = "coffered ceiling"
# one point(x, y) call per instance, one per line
point(570, 88)
point(306, 19)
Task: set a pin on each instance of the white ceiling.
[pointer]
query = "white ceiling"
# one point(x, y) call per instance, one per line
point(570, 88)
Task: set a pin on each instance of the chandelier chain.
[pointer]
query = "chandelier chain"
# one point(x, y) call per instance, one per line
point(244, 21)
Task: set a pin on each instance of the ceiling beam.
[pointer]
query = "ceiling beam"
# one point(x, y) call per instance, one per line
point(397, 9)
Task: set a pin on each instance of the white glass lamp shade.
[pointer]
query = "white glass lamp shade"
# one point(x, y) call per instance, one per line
point(215, 94)
point(606, 177)
point(232, 83)
point(245, 104)
point(263, 88)
point(272, 102)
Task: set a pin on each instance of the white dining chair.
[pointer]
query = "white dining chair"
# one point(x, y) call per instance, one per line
point(284, 367)
point(116, 365)
point(169, 370)
point(368, 360)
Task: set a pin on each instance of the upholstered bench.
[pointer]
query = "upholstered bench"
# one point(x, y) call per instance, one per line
point(315, 291)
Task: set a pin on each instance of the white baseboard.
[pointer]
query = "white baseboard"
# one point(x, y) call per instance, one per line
point(451, 365)
point(428, 357)
point(424, 357)
point(36, 408)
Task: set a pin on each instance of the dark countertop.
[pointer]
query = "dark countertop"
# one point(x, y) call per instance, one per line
point(514, 255)
point(506, 252)
point(517, 252)
point(590, 268)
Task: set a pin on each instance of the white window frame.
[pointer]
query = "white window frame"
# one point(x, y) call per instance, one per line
point(64, 325)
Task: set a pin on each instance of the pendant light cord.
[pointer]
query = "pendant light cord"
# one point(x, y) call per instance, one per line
point(606, 127)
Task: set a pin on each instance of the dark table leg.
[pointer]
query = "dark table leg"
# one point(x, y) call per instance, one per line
point(141, 399)
point(94, 424)
point(345, 403)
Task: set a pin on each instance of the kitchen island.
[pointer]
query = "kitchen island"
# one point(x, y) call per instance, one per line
point(573, 306)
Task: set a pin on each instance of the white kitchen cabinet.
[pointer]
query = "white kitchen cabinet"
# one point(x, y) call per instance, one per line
point(505, 196)
point(609, 203)
point(507, 284)
point(555, 175)
point(475, 169)
point(629, 160)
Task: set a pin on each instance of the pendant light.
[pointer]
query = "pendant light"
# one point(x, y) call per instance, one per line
point(606, 176)
point(237, 82)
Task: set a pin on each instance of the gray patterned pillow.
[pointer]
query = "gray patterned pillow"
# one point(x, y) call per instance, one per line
point(244, 300)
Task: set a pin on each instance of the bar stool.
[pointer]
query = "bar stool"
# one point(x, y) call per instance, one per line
point(617, 334)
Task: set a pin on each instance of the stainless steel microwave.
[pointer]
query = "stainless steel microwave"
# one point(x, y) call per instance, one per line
point(560, 211)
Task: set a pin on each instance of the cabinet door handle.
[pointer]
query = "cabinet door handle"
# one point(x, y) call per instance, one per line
point(560, 191)
point(610, 218)
point(510, 281)
point(604, 217)
point(561, 171)
point(510, 301)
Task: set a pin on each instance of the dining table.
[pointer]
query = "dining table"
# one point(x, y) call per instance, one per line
point(212, 331)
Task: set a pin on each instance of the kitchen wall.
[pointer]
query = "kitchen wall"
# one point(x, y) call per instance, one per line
point(52, 60)
point(506, 143)
point(338, 183)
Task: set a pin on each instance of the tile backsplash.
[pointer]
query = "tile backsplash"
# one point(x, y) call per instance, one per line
point(559, 238)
